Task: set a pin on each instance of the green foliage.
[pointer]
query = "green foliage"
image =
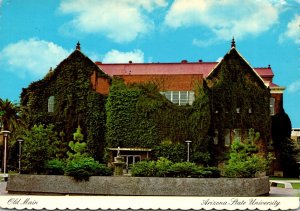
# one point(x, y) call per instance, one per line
point(82, 169)
point(144, 169)
point(78, 147)
point(285, 149)
point(139, 116)
point(244, 160)
point(234, 85)
point(80, 165)
point(9, 117)
point(76, 102)
point(166, 168)
point(184, 169)
point(175, 152)
point(40, 146)
point(55, 167)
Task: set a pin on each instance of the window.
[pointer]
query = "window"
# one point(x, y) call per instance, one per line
point(227, 137)
point(216, 137)
point(272, 106)
point(180, 97)
point(51, 104)
point(237, 134)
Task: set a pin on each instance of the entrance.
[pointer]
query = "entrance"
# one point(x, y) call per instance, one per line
point(131, 160)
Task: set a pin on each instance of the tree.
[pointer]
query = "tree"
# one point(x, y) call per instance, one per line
point(285, 150)
point(79, 147)
point(244, 158)
point(8, 115)
point(40, 146)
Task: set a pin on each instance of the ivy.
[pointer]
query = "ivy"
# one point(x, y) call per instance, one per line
point(76, 103)
point(139, 116)
point(239, 99)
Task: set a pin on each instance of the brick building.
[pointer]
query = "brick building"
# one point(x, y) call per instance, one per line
point(176, 81)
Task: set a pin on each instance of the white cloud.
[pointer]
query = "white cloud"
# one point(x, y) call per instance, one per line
point(115, 56)
point(294, 87)
point(121, 21)
point(203, 42)
point(33, 57)
point(292, 31)
point(225, 18)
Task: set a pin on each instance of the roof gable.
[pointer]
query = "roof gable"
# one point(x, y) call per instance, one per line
point(238, 66)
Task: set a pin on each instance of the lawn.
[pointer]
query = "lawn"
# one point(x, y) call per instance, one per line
point(295, 185)
point(283, 178)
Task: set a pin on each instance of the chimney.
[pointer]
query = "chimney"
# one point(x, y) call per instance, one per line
point(184, 61)
point(78, 46)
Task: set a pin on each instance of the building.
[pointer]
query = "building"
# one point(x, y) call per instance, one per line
point(64, 90)
point(177, 80)
point(295, 136)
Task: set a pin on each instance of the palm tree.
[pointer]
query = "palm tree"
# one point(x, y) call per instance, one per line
point(8, 115)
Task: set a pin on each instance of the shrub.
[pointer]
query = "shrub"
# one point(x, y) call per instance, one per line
point(184, 169)
point(82, 169)
point(144, 169)
point(162, 167)
point(244, 160)
point(166, 168)
point(55, 167)
point(40, 145)
point(212, 172)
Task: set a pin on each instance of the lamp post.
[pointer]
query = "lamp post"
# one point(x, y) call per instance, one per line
point(188, 150)
point(20, 153)
point(5, 135)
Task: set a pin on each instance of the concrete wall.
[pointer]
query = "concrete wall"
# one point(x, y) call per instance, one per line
point(147, 186)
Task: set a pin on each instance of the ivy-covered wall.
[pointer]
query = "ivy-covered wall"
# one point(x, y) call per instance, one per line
point(139, 116)
point(75, 102)
point(239, 99)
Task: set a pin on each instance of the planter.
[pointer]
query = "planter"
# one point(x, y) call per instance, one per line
point(138, 186)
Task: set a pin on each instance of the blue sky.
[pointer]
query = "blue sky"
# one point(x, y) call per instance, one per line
point(36, 35)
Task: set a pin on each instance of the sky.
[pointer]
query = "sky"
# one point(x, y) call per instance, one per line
point(36, 35)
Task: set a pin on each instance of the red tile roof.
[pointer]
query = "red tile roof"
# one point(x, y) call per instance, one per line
point(273, 85)
point(183, 68)
point(203, 68)
point(264, 71)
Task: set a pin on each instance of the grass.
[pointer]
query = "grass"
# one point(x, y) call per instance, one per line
point(283, 178)
point(294, 185)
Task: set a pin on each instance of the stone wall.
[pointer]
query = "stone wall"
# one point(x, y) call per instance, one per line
point(138, 186)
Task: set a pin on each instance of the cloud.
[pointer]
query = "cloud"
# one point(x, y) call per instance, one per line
point(225, 18)
point(294, 87)
point(120, 21)
point(292, 30)
point(203, 42)
point(115, 56)
point(33, 57)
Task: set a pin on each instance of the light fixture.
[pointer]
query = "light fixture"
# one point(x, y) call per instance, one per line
point(5, 135)
point(188, 150)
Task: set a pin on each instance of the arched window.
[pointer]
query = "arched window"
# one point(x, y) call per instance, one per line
point(51, 104)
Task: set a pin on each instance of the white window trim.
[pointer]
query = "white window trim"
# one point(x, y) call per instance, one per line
point(51, 102)
point(190, 97)
point(272, 106)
